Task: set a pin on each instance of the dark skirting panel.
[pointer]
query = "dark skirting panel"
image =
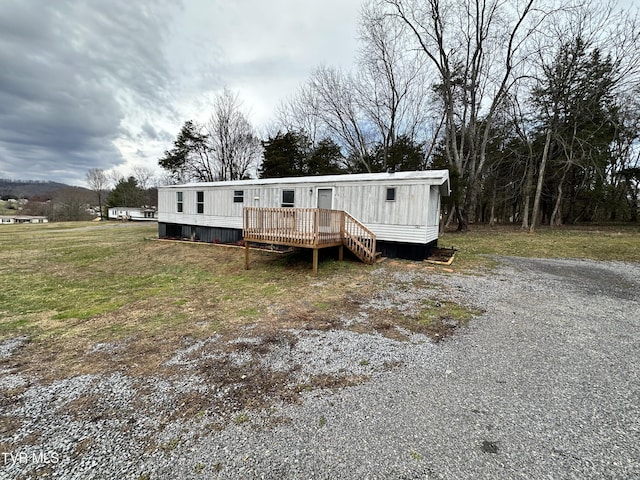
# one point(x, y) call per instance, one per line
point(407, 251)
point(199, 234)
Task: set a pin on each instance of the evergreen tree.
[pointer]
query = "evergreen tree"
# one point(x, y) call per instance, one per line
point(189, 158)
point(403, 155)
point(325, 159)
point(127, 193)
point(285, 155)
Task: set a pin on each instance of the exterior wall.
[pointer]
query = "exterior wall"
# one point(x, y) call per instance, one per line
point(412, 217)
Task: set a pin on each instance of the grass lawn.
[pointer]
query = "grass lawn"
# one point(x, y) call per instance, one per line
point(597, 242)
point(70, 287)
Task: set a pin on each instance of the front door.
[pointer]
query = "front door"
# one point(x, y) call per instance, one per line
point(325, 197)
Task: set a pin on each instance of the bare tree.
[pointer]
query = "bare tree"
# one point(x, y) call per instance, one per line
point(70, 205)
point(392, 80)
point(475, 46)
point(386, 98)
point(234, 146)
point(300, 113)
point(98, 182)
point(144, 176)
point(585, 83)
point(339, 109)
point(226, 147)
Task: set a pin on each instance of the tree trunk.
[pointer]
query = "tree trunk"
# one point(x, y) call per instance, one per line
point(492, 210)
point(527, 195)
point(543, 165)
point(556, 216)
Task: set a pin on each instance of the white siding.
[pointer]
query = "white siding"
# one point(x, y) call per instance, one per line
point(203, 220)
point(403, 233)
point(433, 212)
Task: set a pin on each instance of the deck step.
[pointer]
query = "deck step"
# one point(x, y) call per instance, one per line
point(359, 239)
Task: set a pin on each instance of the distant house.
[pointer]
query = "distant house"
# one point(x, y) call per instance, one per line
point(401, 211)
point(144, 214)
point(12, 219)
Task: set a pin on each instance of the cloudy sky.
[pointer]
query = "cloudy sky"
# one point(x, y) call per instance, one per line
point(108, 83)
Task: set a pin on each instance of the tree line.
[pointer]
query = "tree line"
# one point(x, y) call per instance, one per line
point(137, 190)
point(105, 190)
point(531, 105)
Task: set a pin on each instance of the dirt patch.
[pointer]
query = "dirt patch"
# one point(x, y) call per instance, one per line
point(438, 319)
point(9, 425)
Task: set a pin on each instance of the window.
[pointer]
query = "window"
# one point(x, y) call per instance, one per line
point(200, 202)
point(238, 196)
point(391, 194)
point(179, 201)
point(288, 198)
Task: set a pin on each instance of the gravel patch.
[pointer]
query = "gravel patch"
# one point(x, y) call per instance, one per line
point(8, 347)
point(544, 384)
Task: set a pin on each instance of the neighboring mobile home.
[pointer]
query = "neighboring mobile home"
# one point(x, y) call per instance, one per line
point(402, 209)
point(6, 219)
point(132, 213)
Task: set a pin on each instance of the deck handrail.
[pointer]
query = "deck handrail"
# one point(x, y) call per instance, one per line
point(310, 228)
point(359, 239)
point(293, 226)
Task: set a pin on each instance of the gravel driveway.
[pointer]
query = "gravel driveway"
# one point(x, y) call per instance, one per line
point(544, 384)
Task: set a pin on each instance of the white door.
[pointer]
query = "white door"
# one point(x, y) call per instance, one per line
point(325, 198)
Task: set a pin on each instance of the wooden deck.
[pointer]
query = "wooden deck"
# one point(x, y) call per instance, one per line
point(313, 228)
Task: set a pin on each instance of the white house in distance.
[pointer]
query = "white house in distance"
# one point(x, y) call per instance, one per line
point(402, 209)
point(10, 219)
point(132, 213)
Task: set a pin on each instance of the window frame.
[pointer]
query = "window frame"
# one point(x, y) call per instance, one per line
point(290, 204)
point(390, 194)
point(179, 202)
point(238, 196)
point(200, 202)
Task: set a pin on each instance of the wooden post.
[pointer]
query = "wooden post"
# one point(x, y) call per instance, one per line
point(315, 262)
point(246, 255)
point(341, 253)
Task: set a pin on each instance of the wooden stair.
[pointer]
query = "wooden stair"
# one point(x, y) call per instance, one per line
point(359, 239)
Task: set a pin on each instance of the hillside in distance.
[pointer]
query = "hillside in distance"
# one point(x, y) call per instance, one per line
point(28, 188)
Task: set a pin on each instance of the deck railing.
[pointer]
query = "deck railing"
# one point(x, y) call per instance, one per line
point(304, 227)
point(309, 228)
point(359, 239)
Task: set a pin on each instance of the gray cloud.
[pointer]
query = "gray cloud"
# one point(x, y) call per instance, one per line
point(71, 70)
point(108, 83)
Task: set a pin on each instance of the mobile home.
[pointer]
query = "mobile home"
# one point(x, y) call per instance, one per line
point(7, 219)
point(402, 209)
point(132, 213)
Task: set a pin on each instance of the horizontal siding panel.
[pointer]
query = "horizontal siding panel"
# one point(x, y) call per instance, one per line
point(201, 220)
point(432, 233)
point(399, 233)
